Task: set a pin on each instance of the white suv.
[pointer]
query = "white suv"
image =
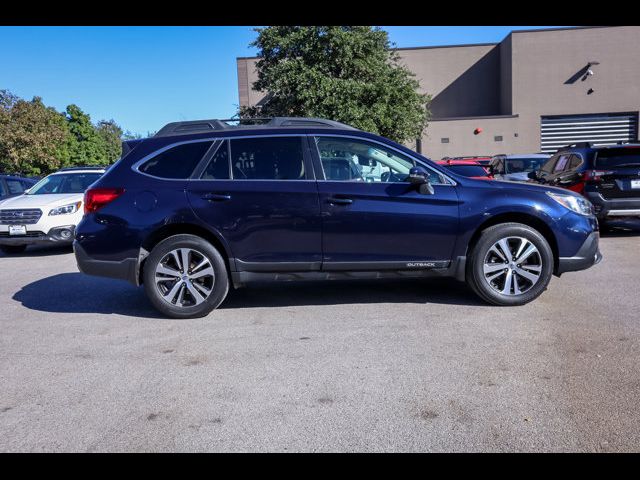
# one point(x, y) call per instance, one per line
point(48, 212)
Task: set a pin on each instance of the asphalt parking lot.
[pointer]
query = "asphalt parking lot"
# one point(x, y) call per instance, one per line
point(87, 365)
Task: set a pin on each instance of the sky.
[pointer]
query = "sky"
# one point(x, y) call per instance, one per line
point(145, 77)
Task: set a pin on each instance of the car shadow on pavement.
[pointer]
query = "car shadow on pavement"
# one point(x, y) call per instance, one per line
point(621, 228)
point(79, 293)
point(40, 251)
point(336, 292)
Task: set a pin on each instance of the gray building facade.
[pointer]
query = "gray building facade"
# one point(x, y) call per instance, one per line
point(534, 91)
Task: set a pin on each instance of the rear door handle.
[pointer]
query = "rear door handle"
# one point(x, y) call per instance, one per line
point(216, 197)
point(339, 201)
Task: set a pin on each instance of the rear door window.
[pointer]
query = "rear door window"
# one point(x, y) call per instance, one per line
point(268, 158)
point(176, 162)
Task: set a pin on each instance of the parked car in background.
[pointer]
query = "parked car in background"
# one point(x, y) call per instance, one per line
point(468, 168)
point(516, 168)
point(609, 176)
point(12, 185)
point(204, 205)
point(482, 159)
point(48, 212)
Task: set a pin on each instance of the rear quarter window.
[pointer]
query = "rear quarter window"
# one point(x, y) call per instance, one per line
point(177, 162)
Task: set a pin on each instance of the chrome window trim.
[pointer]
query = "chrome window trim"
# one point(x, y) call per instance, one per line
point(136, 165)
point(420, 162)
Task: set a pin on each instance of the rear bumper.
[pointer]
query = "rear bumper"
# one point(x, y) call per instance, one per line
point(57, 235)
point(587, 256)
point(126, 269)
point(614, 208)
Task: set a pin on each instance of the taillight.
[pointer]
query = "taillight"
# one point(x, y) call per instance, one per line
point(595, 175)
point(96, 198)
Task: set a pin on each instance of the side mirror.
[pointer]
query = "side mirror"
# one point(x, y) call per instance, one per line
point(533, 175)
point(419, 177)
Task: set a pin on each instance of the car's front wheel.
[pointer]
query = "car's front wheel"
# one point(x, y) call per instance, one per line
point(185, 277)
point(510, 264)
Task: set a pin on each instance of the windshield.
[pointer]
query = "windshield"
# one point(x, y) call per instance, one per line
point(469, 170)
point(520, 165)
point(64, 183)
point(618, 157)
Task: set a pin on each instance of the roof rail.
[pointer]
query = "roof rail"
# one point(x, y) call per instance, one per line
point(577, 145)
point(203, 126)
point(92, 167)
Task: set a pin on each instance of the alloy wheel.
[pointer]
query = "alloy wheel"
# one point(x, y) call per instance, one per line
point(512, 266)
point(184, 277)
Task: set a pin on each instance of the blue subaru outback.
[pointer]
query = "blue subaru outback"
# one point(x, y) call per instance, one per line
point(203, 205)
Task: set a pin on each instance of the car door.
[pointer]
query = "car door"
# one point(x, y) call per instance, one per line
point(260, 194)
point(376, 220)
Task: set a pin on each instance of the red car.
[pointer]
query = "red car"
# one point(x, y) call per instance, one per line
point(467, 168)
point(481, 159)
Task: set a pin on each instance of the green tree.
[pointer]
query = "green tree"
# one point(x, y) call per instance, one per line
point(345, 73)
point(111, 135)
point(33, 137)
point(86, 145)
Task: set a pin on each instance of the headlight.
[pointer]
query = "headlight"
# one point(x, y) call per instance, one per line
point(71, 208)
point(575, 204)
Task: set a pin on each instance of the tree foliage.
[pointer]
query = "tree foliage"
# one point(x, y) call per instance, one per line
point(33, 137)
point(36, 139)
point(345, 73)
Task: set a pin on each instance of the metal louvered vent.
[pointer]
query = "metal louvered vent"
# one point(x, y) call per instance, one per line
point(599, 129)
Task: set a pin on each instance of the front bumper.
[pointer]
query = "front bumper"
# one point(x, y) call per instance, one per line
point(587, 256)
point(613, 208)
point(58, 235)
point(126, 269)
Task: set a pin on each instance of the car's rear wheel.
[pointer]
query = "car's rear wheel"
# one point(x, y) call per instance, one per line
point(510, 264)
point(185, 277)
point(13, 248)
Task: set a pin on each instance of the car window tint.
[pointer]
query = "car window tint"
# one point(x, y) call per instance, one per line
point(218, 166)
point(574, 162)
point(355, 160)
point(469, 170)
point(616, 157)
point(176, 162)
point(267, 158)
point(548, 166)
point(3, 190)
point(562, 162)
point(14, 186)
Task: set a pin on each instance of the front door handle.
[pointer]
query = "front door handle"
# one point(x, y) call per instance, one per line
point(339, 201)
point(216, 197)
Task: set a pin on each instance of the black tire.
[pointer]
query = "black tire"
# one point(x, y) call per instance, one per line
point(220, 281)
point(475, 275)
point(13, 248)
